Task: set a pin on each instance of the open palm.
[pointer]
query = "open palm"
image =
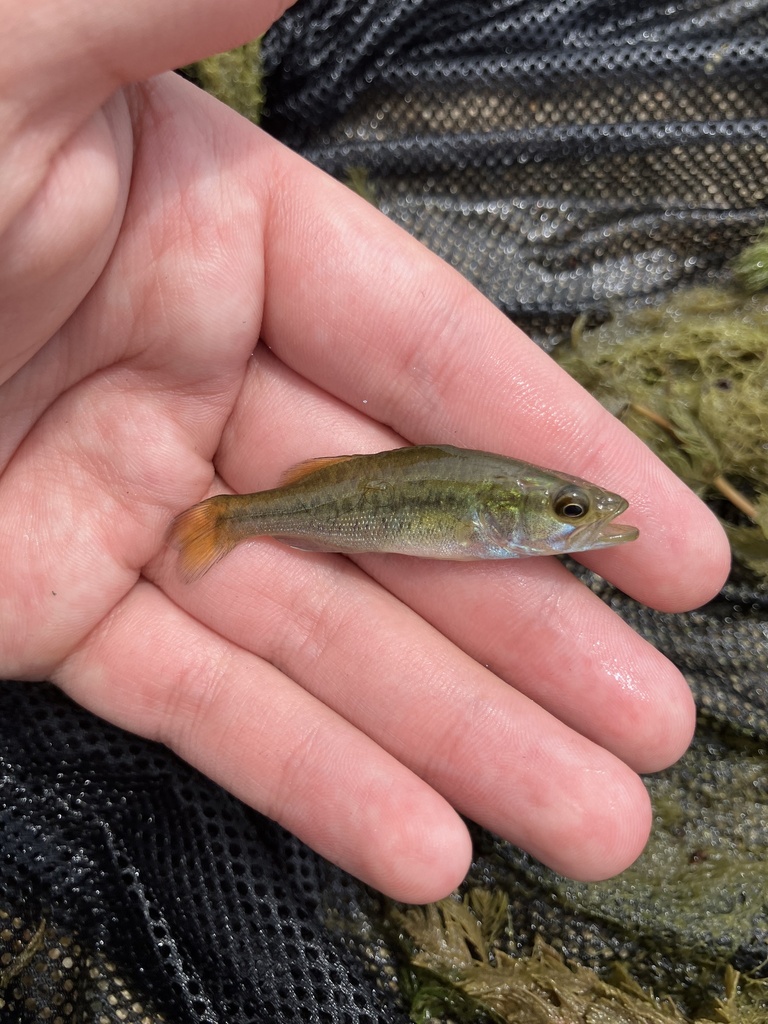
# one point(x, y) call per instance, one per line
point(149, 239)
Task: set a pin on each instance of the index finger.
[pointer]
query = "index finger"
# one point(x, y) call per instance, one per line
point(356, 305)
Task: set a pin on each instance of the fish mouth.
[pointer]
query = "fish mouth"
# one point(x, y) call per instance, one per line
point(609, 532)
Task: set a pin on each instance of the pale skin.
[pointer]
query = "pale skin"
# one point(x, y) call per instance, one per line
point(149, 238)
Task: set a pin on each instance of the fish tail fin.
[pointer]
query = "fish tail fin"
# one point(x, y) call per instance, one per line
point(203, 534)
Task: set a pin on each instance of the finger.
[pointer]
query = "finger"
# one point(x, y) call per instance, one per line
point(492, 753)
point(65, 165)
point(152, 669)
point(415, 346)
point(530, 620)
point(540, 629)
point(179, 301)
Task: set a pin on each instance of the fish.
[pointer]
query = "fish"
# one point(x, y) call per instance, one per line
point(432, 501)
point(429, 501)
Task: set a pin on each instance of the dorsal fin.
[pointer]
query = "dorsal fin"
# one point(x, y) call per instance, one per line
point(302, 469)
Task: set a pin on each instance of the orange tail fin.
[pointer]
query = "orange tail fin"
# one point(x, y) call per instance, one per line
point(203, 535)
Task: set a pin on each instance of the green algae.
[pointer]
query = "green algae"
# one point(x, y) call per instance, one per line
point(235, 78)
point(750, 268)
point(458, 969)
point(690, 377)
point(359, 180)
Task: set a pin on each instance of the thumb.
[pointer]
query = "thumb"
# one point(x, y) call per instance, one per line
point(65, 163)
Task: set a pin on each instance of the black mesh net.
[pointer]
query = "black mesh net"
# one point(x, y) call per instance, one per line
point(135, 889)
point(558, 154)
point(563, 155)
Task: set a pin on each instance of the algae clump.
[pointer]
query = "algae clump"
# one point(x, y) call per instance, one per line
point(235, 78)
point(690, 377)
point(458, 970)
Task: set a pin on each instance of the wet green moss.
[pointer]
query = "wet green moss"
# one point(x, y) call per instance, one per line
point(458, 968)
point(690, 376)
point(235, 78)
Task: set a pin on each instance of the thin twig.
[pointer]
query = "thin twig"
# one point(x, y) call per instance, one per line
point(718, 481)
point(24, 958)
point(655, 417)
point(735, 497)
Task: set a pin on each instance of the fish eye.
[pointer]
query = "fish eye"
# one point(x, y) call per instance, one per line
point(571, 503)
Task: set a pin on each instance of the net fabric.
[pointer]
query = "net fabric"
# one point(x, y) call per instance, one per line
point(134, 889)
point(562, 155)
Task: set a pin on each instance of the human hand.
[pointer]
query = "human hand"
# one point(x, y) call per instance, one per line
point(148, 238)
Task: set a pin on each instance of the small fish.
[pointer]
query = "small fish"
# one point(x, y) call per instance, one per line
point(433, 501)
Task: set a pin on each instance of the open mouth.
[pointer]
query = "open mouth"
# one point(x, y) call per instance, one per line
point(604, 534)
point(610, 532)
